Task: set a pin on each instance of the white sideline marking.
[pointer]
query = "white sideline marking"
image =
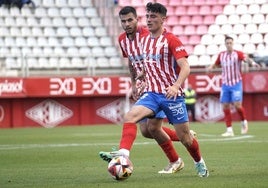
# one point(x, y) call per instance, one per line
point(32, 146)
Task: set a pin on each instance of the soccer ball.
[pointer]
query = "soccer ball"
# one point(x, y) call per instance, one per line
point(120, 168)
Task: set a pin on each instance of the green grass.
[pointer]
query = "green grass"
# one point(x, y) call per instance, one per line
point(68, 157)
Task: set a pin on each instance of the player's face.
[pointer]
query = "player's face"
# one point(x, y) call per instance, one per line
point(154, 21)
point(229, 44)
point(129, 23)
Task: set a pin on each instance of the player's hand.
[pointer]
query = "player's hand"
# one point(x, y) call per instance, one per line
point(172, 92)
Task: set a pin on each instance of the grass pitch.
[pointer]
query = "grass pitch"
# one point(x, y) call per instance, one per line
point(68, 157)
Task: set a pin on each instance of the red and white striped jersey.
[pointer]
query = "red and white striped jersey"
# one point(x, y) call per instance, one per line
point(132, 49)
point(231, 66)
point(160, 55)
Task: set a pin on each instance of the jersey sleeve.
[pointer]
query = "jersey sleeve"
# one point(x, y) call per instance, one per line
point(176, 47)
point(241, 55)
point(218, 61)
point(122, 47)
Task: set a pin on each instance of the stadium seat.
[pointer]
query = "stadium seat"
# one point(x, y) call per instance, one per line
point(88, 32)
point(75, 31)
point(221, 19)
point(226, 29)
point(115, 62)
point(184, 20)
point(61, 3)
point(16, 51)
point(196, 20)
point(49, 32)
point(187, 2)
point(251, 28)
point(9, 41)
point(37, 31)
point(212, 49)
point(102, 62)
point(249, 48)
point(86, 3)
point(110, 51)
point(264, 8)
point(71, 22)
point(209, 19)
point(48, 51)
point(80, 41)
point(174, 20)
point(14, 31)
point(106, 41)
point(194, 39)
point(204, 60)
point(175, 3)
point(193, 60)
point(32, 22)
point(66, 12)
point(101, 31)
point(84, 51)
point(258, 19)
point(14, 11)
point(31, 41)
point(98, 51)
point(243, 38)
point(180, 10)
point(201, 29)
point(245, 19)
point(91, 12)
point(216, 9)
point(78, 12)
point(20, 41)
point(46, 22)
point(53, 41)
point(189, 30)
point(214, 29)
point(48, 3)
point(263, 28)
point(53, 12)
point(193, 10)
point(189, 49)
point(58, 22)
point(219, 39)
point(53, 62)
point(74, 3)
point(10, 21)
point(42, 13)
point(83, 22)
point(62, 32)
point(207, 39)
point(96, 22)
point(65, 62)
point(233, 19)
point(67, 42)
point(42, 41)
point(59, 51)
point(205, 10)
point(241, 9)
point(238, 28)
point(177, 30)
point(229, 9)
point(254, 9)
point(93, 41)
point(37, 50)
point(77, 62)
point(199, 49)
point(256, 38)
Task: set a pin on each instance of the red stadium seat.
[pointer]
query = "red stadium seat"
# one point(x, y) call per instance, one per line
point(194, 39)
point(175, 3)
point(216, 9)
point(193, 10)
point(201, 29)
point(173, 20)
point(185, 20)
point(181, 10)
point(197, 20)
point(205, 10)
point(189, 30)
point(209, 19)
point(178, 30)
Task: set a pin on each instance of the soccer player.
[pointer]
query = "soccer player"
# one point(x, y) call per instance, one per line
point(230, 62)
point(162, 52)
point(130, 43)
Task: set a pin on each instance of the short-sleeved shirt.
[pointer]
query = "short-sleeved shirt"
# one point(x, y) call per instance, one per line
point(231, 66)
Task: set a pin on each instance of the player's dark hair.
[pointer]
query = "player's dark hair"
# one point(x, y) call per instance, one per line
point(228, 37)
point(156, 8)
point(128, 9)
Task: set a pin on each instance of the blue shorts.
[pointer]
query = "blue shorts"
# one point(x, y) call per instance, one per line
point(230, 94)
point(159, 115)
point(175, 110)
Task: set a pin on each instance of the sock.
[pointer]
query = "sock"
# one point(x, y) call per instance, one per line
point(170, 151)
point(194, 151)
point(171, 133)
point(241, 112)
point(128, 137)
point(228, 117)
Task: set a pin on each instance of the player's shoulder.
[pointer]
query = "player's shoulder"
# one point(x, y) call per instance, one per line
point(143, 31)
point(122, 36)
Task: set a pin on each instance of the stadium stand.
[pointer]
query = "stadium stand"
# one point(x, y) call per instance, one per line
point(82, 34)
